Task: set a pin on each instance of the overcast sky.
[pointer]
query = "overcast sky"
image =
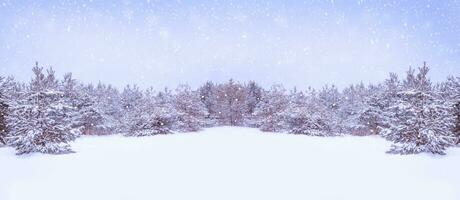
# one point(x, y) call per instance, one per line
point(165, 43)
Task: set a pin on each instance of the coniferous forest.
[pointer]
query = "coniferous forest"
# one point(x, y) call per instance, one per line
point(48, 112)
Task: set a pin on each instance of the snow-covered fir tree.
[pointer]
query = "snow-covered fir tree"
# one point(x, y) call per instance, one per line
point(106, 105)
point(305, 115)
point(450, 91)
point(191, 111)
point(271, 108)
point(231, 103)
point(141, 117)
point(6, 90)
point(39, 122)
point(130, 100)
point(330, 98)
point(154, 115)
point(71, 96)
point(352, 107)
point(420, 121)
point(90, 116)
point(377, 114)
point(253, 97)
point(371, 115)
point(83, 99)
point(208, 98)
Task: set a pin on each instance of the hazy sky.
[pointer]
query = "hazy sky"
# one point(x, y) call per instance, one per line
point(164, 43)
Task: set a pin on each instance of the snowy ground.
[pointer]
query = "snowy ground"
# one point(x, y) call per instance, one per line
point(229, 163)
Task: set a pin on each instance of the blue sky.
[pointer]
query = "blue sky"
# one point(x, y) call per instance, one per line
point(165, 43)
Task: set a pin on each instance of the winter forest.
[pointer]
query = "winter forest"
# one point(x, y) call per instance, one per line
point(229, 99)
point(48, 112)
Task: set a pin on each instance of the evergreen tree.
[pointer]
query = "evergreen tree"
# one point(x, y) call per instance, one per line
point(6, 90)
point(209, 97)
point(155, 114)
point(271, 108)
point(231, 104)
point(330, 98)
point(90, 116)
point(253, 97)
point(40, 122)
point(131, 99)
point(164, 113)
point(86, 115)
point(107, 104)
point(305, 115)
point(353, 107)
point(191, 110)
point(378, 113)
point(371, 116)
point(71, 97)
point(420, 121)
point(450, 91)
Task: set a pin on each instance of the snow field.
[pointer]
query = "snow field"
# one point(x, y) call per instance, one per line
point(229, 163)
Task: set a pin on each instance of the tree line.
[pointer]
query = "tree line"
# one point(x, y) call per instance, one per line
point(47, 113)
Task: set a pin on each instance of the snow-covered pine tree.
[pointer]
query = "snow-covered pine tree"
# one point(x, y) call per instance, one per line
point(230, 100)
point(271, 108)
point(353, 106)
point(236, 98)
point(330, 98)
point(85, 114)
point(131, 98)
point(91, 117)
point(39, 122)
point(208, 97)
point(305, 115)
point(6, 89)
point(377, 115)
point(372, 113)
point(253, 97)
point(106, 103)
point(164, 114)
point(230, 103)
point(456, 109)
point(191, 111)
point(155, 114)
point(450, 91)
point(420, 121)
point(140, 123)
point(71, 97)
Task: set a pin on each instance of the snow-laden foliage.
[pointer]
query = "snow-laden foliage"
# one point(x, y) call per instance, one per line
point(46, 114)
point(104, 106)
point(419, 121)
point(253, 98)
point(208, 97)
point(153, 115)
point(131, 100)
point(84, 114)
point(191, 111)
point(91, 117)
point(305, 115)
point(377, 113)
point(231, 103)
point(42, 120)
point(450, 92)
point(329, 97)
point(6, 94)
point(271, 110)
point(352, 110)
